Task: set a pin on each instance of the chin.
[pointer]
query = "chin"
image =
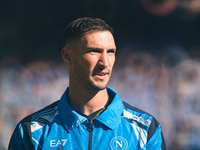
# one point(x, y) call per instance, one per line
point(101, 86)
point(97, 86)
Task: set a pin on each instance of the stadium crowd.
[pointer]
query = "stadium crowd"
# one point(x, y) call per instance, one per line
point(165, 85)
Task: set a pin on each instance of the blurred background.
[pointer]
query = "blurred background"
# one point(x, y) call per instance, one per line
point(157, 67)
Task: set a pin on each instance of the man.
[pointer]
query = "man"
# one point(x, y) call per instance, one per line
point(89, 114)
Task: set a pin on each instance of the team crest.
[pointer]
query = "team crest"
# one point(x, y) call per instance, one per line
point(119, 143)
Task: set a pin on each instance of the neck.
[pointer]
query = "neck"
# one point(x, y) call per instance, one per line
point(87, 101)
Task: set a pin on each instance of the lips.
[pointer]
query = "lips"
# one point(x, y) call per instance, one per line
point(100, 75)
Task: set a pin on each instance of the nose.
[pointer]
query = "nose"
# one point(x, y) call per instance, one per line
point(103, 60)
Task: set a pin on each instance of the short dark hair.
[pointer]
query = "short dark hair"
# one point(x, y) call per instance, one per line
point(78, 27)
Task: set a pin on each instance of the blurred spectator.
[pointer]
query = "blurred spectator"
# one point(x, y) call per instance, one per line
point(25, 89)
point(185, 85)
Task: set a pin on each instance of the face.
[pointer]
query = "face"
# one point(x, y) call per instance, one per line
point(92, 59)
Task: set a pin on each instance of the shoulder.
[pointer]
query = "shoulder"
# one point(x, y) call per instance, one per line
point(22, 135)
point(48, 110)
point(38, 119)
point(147, 122)
point(141, 118)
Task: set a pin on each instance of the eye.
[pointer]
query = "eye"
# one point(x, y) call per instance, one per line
point(111, 51)
point(95, 51)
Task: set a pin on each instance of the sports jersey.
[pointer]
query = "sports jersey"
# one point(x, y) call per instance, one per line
point(118, 127)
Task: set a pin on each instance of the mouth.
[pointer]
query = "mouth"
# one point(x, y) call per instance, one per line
point(100, 75)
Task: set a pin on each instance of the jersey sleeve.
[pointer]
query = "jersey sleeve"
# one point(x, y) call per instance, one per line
point(155, 137)
point(21, 138)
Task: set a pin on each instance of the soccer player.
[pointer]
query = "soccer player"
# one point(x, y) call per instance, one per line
point(90, 115)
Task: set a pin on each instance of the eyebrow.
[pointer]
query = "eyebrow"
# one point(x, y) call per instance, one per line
point(97, 48)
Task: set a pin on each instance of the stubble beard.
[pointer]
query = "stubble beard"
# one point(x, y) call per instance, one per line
point(90, 84)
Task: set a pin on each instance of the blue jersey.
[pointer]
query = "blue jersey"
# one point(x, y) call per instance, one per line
point(58, 127)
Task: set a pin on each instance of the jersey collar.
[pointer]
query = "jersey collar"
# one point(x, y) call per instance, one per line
point(112, 114)
point(109, 117)
point(70, 117)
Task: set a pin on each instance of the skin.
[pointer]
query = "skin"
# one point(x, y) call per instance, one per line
point(90, 61)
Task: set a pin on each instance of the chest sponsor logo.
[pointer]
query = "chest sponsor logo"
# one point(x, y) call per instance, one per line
point(119, 143)
point(55, 143)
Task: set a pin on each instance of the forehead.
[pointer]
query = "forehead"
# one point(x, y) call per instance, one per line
point(98, 39)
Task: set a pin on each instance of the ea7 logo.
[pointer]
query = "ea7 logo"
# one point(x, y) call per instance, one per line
point(119, 143)
point(55, 143)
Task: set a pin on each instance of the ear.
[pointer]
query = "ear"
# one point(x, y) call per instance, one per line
point(66, 55)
